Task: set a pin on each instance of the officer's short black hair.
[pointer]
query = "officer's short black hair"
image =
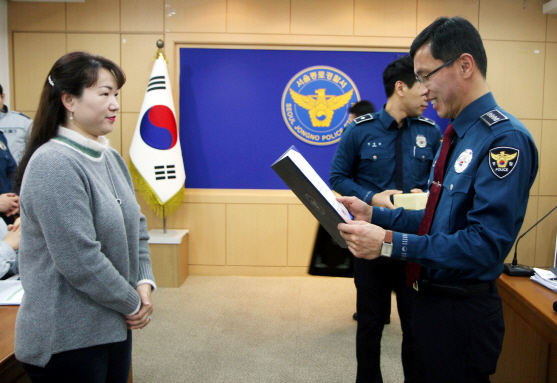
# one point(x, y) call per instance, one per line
point(401, 69)
point(361, 107)
point(1, 90)
point(451, 37)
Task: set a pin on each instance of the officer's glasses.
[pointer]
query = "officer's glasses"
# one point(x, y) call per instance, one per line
point(424, 80)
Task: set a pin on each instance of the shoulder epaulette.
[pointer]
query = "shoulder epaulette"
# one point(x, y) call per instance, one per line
point(365, 117)
point(493, 117)
point(426, 120)
point(21, 114)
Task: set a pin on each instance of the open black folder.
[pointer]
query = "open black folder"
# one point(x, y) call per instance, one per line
point(314, 193)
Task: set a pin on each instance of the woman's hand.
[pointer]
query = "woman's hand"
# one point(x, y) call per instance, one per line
point(143, 317)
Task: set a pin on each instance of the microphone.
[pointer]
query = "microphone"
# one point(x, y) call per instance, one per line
point(555, 306)
point(514, 269)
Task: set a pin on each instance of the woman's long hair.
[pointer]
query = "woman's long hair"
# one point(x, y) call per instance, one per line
point(70, 74)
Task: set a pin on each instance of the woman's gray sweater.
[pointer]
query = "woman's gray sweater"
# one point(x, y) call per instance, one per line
point(81, 254)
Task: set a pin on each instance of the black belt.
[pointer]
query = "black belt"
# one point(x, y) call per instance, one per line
point(449, 290)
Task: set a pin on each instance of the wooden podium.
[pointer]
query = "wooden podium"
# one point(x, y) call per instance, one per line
point(169, 256)
point(530, 345)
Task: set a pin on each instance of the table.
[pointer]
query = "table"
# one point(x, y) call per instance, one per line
point(530, 345)
point(10, 369)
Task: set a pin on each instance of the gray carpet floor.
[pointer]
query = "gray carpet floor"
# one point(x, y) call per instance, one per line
point(257, 329)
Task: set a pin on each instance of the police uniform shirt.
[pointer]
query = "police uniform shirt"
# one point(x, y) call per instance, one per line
point(487, 181)
point(15, 127)
point(364, 162)
point(7, 166)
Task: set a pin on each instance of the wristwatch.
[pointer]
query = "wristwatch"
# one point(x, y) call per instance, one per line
point(387, 246)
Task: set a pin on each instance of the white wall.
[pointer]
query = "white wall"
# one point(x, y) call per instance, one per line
point(4, 61)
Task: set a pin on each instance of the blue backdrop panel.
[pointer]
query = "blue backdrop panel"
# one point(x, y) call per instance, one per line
point(231, 123)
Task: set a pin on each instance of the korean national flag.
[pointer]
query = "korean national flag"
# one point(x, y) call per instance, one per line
point(156, 162)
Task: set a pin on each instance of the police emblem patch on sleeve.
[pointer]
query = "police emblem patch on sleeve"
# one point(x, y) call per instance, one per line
point(502, 160)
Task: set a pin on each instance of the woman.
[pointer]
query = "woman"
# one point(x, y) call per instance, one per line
point(83, 259)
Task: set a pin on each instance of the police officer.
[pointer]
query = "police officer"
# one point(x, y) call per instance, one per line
point(491, 162)
point(381, 154)
point(15, 127)
point(9, 202)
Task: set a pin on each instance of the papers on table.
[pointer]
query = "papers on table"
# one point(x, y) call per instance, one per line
point(11, 292)
point(545, 278)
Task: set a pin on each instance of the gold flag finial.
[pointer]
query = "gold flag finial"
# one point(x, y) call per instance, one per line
point(160, 53)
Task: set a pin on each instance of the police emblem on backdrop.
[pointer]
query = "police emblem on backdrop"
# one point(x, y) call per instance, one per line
point(463, 160)
point(315, 104)
point(502, 160)
point(421, 141)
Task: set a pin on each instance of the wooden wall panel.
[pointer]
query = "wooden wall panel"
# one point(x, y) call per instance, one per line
point(535, 128)
point(385, 18)
point(550, 82)
point(322, 17)
point(256, 234)
point(44, 17)
point(509, 20)
point(207, 225)
point(195, 16)
point(129, 120)
point(34, 55)
point(548, 158)
point(138, 52)
point(106, 45)
point(93, 16)
point(142, 16)
point(301, 237)
point(429, 10)
point(253, 16)
point(546, 230)
point(551, 35)
point(520, 95)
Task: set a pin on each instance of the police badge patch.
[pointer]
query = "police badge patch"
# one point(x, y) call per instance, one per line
point(421, 141)
point(502, 160)
point(463, 160)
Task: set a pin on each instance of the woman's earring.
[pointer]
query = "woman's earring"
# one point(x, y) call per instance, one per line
point(71, 115)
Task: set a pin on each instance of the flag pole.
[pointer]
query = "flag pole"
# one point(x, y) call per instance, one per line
point(163, 221)
point(160, 45)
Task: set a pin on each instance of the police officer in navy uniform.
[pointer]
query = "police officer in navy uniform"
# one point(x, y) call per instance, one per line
point(7, 166)
point(15, 127)
point(381, 154)
point(491, 163)
point(9, 201)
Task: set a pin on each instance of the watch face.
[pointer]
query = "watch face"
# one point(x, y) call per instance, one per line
point(386, 249)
